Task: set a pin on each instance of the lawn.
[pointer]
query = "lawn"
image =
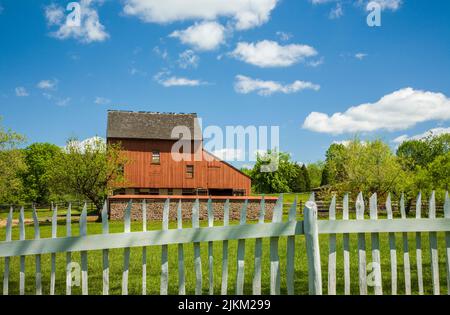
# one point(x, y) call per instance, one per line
point(154, 264)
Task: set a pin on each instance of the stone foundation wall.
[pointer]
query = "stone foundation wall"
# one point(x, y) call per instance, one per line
point(155, 209)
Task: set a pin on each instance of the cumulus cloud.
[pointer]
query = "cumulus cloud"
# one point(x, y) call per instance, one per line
point(245, 13)
point(427, 134)
point(21, 91)
point(284, 36)
point(202, 36)
point(90, 28)
point(47, 84)
point(399, 110)
point(268, 53)
point(245, 85)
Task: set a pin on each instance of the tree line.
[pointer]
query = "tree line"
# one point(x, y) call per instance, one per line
point(43, 172)
point(368, 166)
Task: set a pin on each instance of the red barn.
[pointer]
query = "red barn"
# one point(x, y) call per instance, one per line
point(147, 140)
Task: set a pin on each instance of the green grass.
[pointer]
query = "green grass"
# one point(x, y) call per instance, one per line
point(154, 264)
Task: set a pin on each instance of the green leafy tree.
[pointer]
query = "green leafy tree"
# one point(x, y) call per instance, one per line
point(315, 173)
point(39, 158)
point(297, 182)
point(11, 166)
point(272, 182)
point(334, 165)
point(305, 173)
point(88, 170)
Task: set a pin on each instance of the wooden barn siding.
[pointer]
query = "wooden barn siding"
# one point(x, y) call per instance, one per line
point(141, 173)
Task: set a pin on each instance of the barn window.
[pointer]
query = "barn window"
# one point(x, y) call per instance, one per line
point(189, 171)
point(155, 157)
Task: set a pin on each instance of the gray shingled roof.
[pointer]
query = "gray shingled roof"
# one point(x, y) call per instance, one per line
point(150, 125)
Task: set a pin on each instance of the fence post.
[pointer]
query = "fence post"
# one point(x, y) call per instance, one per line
point(312, 248)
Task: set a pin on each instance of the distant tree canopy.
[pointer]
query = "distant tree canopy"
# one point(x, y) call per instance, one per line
point(289, 176)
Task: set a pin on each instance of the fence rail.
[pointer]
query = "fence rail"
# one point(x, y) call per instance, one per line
point(310, 227)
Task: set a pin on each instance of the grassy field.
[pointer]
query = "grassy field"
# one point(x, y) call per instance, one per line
point(154, 263)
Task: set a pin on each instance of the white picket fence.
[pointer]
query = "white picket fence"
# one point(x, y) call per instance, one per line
point(291, 228)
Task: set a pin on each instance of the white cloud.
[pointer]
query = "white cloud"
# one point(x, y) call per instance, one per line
point(102, 100)
point(162, 53)
point(399, 110)
point(268, 53)
point(245, 13)
point(245, 85)
point(427, 134)
point(165, 79)
point(315, 63)
point(336, 12)
point(360, 56)
point(90, 28)
point(392, 5)
point(188, 59)
point(202, 36)
point(21, 91)
point(47, 84)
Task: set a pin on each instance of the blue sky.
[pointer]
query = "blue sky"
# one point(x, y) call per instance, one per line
point(300, 65)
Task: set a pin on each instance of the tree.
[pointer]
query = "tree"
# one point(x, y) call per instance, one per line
point(11, 166)
point(315, 173)
point(422, 152)
point(89, 169)
point(273, 182)
point(39, 158)
point(297, 182)
point(334, 169)
point(306, 177)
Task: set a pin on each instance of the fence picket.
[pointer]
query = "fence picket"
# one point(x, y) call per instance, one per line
point(312, 247)
point(105, 252)
point(226, 218)
point(68, 254)
point(37, 235)
point(406, 262)
point(181, 277)
point(392, 248)
point(346, 246)
point(126, 250)
point(433, 248)
point(361, 247)
point(53, 255)
point(290, 251)
point(419, 245)
point(210, 249)
point(22, 258)
point(274, 257)
point(8, 238)
point(197, 258)
point(332, 251)
point(165, 252)
point(241, 254)
point(447, 240)
point(144, 249)
point(375, 237)
point(83, 254)
point(258, 252)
